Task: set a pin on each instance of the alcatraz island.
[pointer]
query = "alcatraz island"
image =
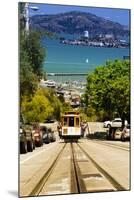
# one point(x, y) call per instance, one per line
point(101, 40)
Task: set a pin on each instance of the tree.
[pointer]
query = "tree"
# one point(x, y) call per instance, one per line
point(35, 52)
point(31, 58)
point(28, 80)
point(21, 16)
point(54, 101)
point(44, 104)
point(38, 109)
point(32, 54)
point(108, 90)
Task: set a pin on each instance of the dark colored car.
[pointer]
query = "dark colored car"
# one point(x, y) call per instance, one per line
point(27, 143)
point(46, 138)
point(48, 135)
point(51, 135)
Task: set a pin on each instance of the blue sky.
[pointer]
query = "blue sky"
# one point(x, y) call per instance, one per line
point(116, 15)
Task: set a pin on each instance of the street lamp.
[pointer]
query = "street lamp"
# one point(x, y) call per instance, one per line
point(26, 15)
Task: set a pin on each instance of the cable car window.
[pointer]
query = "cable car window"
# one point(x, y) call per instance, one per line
point(65, 121)
point(77, 121)
point(71, 121)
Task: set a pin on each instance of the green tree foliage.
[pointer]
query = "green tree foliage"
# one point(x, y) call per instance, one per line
point(61, 98)
point(55, 102)
point(43, 105)
point(65, 107)
point(28, 80)
point(108, 90)
point(38, 109)
point(32, 56)
point(21, 16)
point(35, 52)
point(36, 104)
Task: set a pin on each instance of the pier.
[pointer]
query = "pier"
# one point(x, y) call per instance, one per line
point(67, 74)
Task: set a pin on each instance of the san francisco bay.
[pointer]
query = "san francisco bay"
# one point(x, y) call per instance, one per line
point(63, 58)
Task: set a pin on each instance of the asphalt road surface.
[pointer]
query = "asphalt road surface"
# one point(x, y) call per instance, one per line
point(66, 168)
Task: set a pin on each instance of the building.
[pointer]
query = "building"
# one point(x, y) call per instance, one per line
point(48, 83)
point(86, 34)
point(109, 36)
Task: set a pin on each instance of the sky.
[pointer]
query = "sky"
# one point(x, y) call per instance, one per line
point(116, 15)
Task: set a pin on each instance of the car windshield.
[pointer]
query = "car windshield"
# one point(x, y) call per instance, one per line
point(117, 120)
point(45, 135)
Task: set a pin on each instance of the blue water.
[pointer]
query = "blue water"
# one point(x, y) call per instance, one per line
point(72, 59)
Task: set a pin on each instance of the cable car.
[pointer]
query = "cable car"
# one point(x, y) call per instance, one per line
point(71, 126)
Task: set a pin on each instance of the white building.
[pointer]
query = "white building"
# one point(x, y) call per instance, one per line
point(86, 34)
point(48, 83)
point(109, 36)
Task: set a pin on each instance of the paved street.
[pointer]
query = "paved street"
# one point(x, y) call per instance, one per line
point(87, 166)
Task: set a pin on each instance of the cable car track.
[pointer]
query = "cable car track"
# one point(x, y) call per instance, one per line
point(115, 184)
point(79, 182)
point(85, 175)
point(37, 189)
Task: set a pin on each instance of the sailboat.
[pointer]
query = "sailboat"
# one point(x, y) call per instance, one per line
point(87, 60)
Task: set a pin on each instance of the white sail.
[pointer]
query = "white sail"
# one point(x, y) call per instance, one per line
point(87, 60)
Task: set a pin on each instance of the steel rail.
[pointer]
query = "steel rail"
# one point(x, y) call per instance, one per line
point(37, 189)
point(79, 182)
point(115, 183)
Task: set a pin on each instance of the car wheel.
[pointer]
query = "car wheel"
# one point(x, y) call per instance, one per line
point(31, 149)
point(42, 143)
point(24, 147)
point(107, 137)
point(122, 138)
point(33, 145)
point(30, 146)
point(21, 147)
point(108, 126)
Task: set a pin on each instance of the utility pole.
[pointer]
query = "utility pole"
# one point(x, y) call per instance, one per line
point(26, 15)
point(26, 18)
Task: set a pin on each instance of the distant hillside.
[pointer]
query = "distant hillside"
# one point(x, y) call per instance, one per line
point(76, 22)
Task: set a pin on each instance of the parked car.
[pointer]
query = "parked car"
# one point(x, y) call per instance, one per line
point(117, 135)
point(117, 122)
point(26, 138)
point(125, 135)
point(114, 133)
point(49, 136)
point(46, 138)
point(44, 129)
point(52, 137)
point(38, 135)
